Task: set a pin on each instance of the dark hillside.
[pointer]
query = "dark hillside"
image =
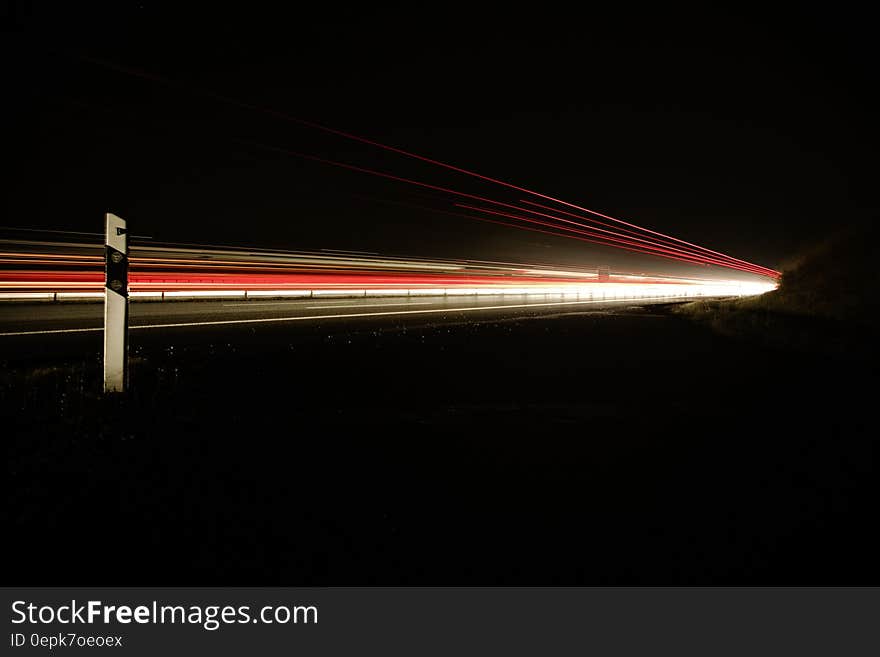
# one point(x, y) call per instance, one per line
point(827, 300)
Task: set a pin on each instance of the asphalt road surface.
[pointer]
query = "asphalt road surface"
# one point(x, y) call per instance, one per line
point(42, 323)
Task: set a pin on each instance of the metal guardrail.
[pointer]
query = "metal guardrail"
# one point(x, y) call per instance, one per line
point(610, 291)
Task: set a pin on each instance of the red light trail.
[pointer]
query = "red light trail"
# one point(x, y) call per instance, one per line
point(650, 248)
point(161, 272)
point(766, 271)
point(658, 250)
point(647, 238)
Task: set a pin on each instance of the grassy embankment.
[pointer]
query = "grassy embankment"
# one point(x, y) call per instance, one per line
point(826, 301)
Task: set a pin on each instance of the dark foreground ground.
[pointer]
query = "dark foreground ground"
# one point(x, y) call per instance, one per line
point(618, 447)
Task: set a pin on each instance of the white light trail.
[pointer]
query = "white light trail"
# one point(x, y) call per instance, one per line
point(302, 318)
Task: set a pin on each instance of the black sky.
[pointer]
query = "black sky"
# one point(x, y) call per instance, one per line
point(751, 131)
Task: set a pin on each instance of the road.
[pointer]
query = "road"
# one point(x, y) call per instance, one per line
point(24, 327)
point(48, 318)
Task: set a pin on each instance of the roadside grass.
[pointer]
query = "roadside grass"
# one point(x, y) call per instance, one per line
point(826, 302)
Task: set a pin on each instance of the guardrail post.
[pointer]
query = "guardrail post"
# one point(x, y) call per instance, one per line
point(115, 305)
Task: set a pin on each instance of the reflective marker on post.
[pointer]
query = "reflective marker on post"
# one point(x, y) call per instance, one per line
point(115, 305)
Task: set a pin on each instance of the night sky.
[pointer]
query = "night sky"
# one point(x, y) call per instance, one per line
point(753, 132)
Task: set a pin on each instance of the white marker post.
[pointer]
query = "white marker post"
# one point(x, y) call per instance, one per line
point(115, 305)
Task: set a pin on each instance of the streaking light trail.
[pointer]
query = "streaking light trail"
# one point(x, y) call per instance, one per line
point(673, 253)
point(641, 245)
point(32, 270)
point(651, 241)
